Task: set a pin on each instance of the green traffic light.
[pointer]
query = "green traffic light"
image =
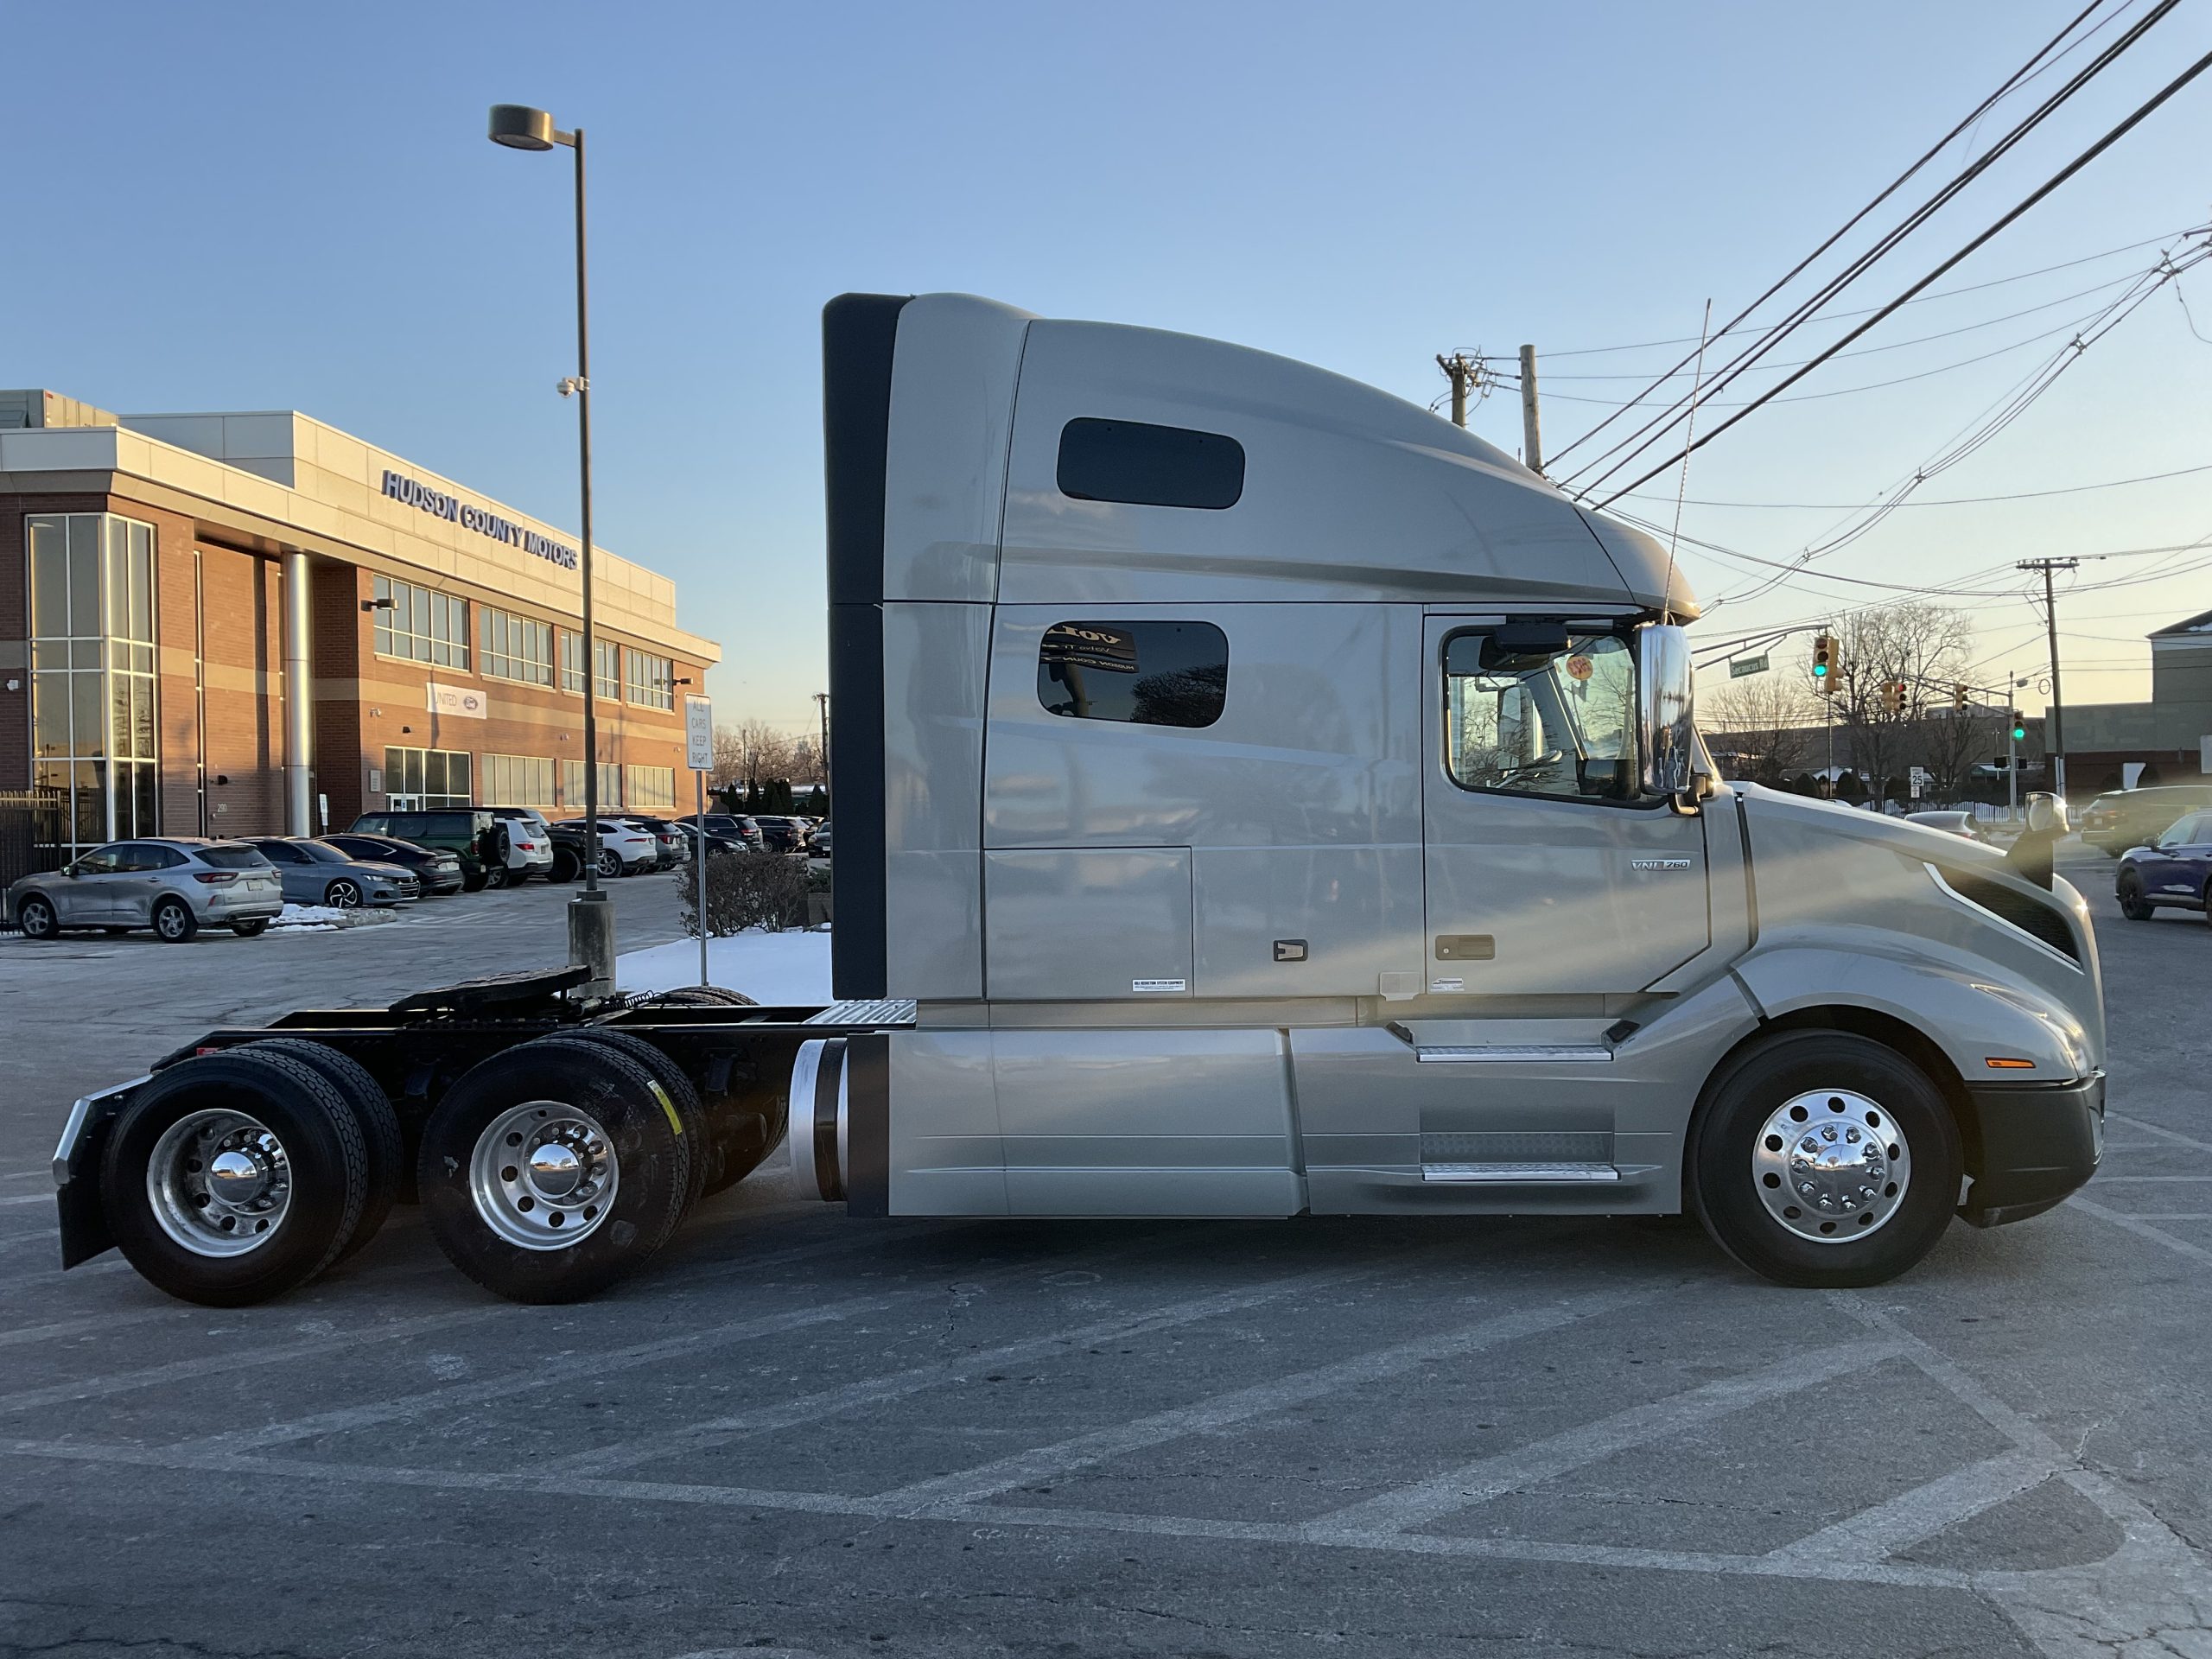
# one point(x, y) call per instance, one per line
point(1820, 671)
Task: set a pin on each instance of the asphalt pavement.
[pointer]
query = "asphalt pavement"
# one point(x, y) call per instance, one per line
point(803, 1434)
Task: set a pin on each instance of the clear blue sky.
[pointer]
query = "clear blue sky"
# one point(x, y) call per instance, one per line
point(263, 206)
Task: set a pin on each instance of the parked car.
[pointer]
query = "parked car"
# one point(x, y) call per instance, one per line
point(175, 885)
point(716, 845)
point(530, 845)
point(1951, 823)
point(780, 834)
point(821, 838)
point(624, 849)
point(733, 825)
point(674, 849)
point(2175, 870)
point(2122, 818)
point(437, 869)
point(316, 873)
point(471, 834)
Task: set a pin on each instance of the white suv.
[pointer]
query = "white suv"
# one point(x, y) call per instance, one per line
point(529, 843)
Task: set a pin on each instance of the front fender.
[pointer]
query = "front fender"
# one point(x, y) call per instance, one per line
point(1972, 1015)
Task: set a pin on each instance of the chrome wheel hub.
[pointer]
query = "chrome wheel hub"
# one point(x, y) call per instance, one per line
point(1831, 1166)
point(543, 1175)
point(220, 1183)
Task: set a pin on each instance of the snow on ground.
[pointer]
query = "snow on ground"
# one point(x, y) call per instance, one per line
point(787, 967)
point(324, 919)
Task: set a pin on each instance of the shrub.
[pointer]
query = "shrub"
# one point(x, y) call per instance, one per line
point(750, 889)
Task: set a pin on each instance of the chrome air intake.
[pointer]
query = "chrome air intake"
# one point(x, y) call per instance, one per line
point(819, 1131)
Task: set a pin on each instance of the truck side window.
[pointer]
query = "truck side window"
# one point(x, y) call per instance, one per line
point(1542, 721)
point(1149, 465)
point(1147, 673)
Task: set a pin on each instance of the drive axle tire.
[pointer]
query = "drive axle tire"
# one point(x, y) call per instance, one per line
point(371, 1109)
point(694, 996)
point(1823, 1160)
point(551, 1169)
point(702, 1156)
point(233, 1178)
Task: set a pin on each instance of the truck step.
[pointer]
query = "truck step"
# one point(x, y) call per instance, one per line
point(880, 1011)
point(1514, 1053)
point(1522, 1174)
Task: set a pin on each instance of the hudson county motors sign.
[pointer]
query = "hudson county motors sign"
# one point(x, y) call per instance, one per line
point(441, 505)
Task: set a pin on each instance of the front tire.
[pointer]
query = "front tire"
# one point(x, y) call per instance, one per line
point(551, 1169)
point(234, 1176)
point(2132, 904)
point(1823, 1160)
point(342, 895)
point(37, 918)
point(173, 922)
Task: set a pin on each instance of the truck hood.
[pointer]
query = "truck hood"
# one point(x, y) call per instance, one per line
point(1832, 818)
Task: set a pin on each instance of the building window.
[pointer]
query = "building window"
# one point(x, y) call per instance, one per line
point(1147, 673)
point(425, 627)
point(650, 788)
point(1536, 716)
point(518, 648)
point(572, 661)
point(95, 727)
point(608, 678)
point(518, 780)
point(652, 681)
point(1149, 465)
point(572, 785)
point(414, 779)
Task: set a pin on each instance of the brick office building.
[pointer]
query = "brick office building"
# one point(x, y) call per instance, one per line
point(168, 582)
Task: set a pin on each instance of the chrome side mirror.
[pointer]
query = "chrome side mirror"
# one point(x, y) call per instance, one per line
point(1674, 757)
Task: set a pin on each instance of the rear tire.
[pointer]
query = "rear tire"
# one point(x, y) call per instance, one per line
point(567, 866)
point(473, 881)
point(37, 918)
point(589, 1140)
point(291, 1190)
point(703, 1155)
point(496, 877)
point(1872, 1140)
point(252, 929)
point(371, 1110)
point(610, 864)
point(173, 922)
point(2132, 904)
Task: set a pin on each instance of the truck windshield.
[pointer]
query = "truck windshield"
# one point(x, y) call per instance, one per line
point(1563, 725)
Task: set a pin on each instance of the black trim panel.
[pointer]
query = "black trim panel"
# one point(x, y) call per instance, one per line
point(868, 1125)
point(859, 334)
point(2038, 1142)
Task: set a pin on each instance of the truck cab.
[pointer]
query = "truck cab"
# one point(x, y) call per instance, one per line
point(1276, 800)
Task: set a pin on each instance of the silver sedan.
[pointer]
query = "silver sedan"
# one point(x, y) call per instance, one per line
point(316, 873)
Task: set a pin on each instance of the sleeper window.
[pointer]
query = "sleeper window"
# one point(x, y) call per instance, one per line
point(1146, 673)
point(1149, 465)
point(1546, 719)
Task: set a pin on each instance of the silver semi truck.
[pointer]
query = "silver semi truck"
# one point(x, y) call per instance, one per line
point(1258, 797)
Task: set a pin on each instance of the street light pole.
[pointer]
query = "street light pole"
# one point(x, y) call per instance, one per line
point(591, 914)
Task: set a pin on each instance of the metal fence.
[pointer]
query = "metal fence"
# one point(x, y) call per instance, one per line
point(33, 825)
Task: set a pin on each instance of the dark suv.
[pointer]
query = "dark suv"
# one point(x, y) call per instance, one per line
point(470, 833)
point(2122, 818)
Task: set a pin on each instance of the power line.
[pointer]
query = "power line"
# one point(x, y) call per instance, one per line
point(1887, 190)
point(2141, 113)
point(1885, 244)
point(1940, 500)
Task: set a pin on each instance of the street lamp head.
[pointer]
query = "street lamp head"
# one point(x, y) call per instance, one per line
point(519, 127)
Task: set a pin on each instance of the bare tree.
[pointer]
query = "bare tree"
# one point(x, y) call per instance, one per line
point(1769, 721)
point(1925, 647)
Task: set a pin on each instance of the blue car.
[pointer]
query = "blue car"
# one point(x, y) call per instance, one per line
point(2175, 869)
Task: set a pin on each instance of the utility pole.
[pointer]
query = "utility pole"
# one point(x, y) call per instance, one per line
point(1532, 437)
point(1464, 372)
point(822, 755)
point(2054, 736)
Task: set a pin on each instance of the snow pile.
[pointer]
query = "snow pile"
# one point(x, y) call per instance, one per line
point(783, 969)
point(326, 919)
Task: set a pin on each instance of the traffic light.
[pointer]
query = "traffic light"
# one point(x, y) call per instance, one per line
point(2019, 727)
point(1959, 698)
point(1823, 663)
point(1893, 697)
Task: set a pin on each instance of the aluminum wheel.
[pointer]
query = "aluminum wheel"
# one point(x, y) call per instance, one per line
point(1831, 1166)
point(543, 1175)
point(220, 1183)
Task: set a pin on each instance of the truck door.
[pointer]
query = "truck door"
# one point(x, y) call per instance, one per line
point(1546, 869)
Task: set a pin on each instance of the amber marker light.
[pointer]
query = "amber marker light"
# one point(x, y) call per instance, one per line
point(2000, 1063)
